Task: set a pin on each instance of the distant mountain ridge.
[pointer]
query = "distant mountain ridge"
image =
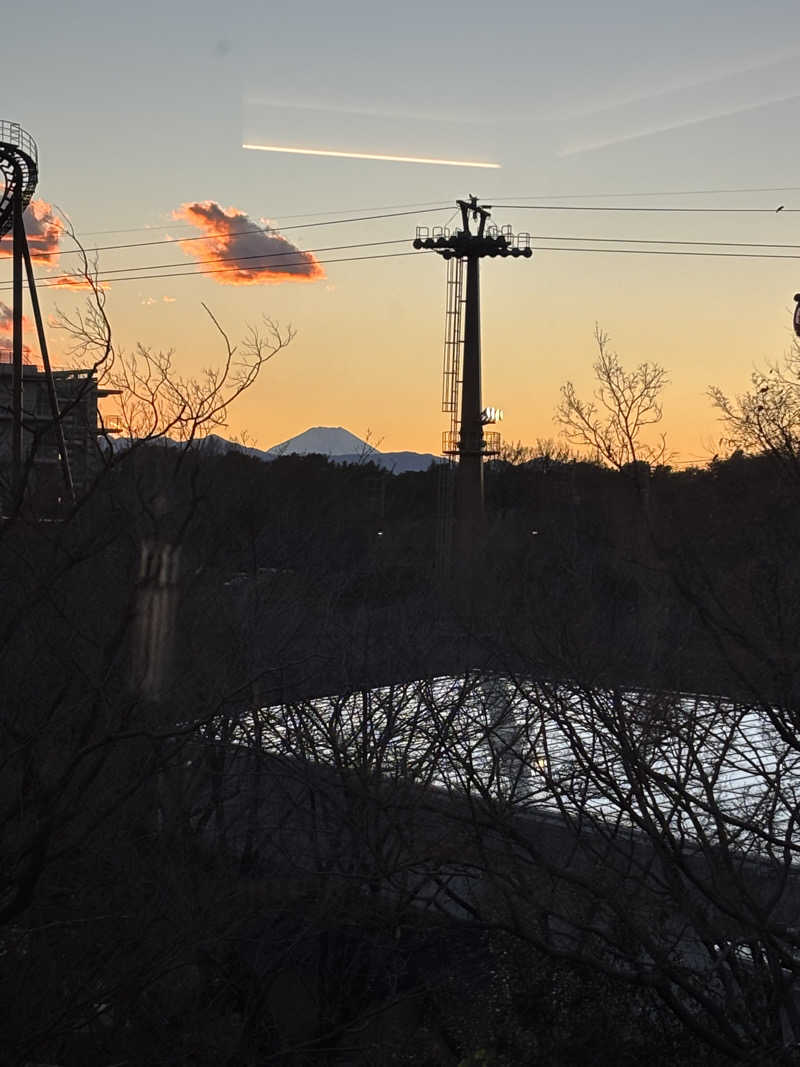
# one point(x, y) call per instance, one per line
point(338, 444)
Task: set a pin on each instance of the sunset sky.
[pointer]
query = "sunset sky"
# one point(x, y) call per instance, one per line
point(140, 113)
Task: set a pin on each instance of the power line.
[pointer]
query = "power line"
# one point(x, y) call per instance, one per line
point(662, 192)
point(373, 244)
point(665, 252)
point(659, 241)
point(393, 255)
point(364, 244)
point(432, 204)
point(267, 230)
point(651, 210)
point(226, 270)
point(159, 271)
point(46, 278)
point(435, 204)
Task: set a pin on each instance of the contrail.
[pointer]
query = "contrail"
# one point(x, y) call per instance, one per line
point(369, 155)
point(328, 108)
point(676, 124)
point(726, 74)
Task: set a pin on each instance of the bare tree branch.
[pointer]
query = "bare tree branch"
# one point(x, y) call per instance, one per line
point(625, 404)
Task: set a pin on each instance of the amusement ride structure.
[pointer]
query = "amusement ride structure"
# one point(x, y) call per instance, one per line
point(467, 440)
point(19, 168)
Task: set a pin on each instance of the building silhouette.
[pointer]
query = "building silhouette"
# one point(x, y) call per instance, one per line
point(77, 394)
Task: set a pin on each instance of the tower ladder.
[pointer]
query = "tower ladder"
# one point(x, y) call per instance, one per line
point(451, 390)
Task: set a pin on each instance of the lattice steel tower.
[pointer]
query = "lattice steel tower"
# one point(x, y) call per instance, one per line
point(19, 169)
point(467, 440)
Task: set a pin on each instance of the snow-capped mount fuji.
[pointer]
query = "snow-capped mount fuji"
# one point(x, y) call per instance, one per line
point(338, 444)
point(324, 441)
point(341, 446)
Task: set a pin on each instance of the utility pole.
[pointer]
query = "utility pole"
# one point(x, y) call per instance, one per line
point(469, 509)
point(466, 438)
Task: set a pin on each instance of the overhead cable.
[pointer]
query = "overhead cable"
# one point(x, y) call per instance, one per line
point(432, 204)
point(650, 210)
point(664, 252)
point(659, 241)
point(300, 252)
point(373, 244)
point(267, 230)
point(43, 284)
point(659, 192)
point(166, 272)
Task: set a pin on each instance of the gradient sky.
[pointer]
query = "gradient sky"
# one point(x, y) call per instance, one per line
point(139, 109)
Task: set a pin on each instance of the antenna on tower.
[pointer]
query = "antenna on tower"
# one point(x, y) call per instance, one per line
point(461, 496)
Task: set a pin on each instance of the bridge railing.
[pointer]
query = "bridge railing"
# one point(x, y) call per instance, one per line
point(12, 133)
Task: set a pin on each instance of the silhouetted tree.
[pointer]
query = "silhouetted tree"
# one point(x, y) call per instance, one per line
point(766, 418)
point(108, 670)
point(625, 404)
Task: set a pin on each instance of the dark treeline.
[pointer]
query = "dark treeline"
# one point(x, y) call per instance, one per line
point(614, 575)
point(188, 590)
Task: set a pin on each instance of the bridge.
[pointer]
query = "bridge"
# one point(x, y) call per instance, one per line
point(512, 805)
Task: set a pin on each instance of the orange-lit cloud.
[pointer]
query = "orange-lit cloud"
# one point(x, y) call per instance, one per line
point(43, 229)
point(7, 320)
point(72, 281)
point(150, 300)
point(6, 329)
point(244, 252)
